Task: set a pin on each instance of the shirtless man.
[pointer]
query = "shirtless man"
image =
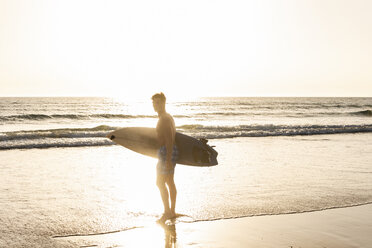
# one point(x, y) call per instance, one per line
point(167, 155)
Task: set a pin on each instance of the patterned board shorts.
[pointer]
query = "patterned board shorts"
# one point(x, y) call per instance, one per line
point(161, 167)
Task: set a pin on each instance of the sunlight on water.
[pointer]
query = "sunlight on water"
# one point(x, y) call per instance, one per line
point(148, 237)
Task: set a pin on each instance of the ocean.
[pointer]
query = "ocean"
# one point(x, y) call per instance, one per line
point(61, 177)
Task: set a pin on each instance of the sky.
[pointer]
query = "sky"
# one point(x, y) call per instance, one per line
point(186, 48)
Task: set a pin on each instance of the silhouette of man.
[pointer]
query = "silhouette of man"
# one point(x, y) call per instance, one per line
point(167, 154)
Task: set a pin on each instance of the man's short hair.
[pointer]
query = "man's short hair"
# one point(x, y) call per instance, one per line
point(160, 96)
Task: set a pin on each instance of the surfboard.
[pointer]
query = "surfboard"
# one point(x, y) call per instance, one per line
point(143, 140)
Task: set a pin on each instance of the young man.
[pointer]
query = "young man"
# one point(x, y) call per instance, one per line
point(167, 154)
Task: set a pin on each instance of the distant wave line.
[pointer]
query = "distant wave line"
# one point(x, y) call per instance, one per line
point(282, 113)
point(61, 144)
point(41, 117)
point(76, 116)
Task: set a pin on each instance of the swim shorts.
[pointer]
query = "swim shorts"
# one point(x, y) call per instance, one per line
point(161, 167)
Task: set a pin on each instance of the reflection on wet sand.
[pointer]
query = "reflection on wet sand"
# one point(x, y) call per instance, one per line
point(159, 235)
point(170, 239)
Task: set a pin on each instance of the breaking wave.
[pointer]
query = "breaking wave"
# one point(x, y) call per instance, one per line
point(363, 113)
point(79, 137)
point(215, 132)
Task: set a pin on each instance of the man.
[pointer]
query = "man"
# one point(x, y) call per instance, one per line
point(166, 132)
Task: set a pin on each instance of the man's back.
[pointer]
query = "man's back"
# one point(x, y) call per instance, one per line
point(165, 128)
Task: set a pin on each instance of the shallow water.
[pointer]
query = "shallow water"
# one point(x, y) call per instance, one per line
point(86, 190)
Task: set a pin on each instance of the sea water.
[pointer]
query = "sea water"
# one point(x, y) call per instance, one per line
point(60, 176)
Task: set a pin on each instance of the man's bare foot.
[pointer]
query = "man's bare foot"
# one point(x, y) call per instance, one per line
point(172, 215)
point(166, 216)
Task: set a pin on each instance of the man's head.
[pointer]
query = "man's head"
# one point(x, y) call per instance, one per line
point(158, 101)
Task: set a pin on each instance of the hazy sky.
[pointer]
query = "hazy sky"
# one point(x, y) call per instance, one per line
point(198, 48)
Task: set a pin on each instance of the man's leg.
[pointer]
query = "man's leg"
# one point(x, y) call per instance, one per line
point(172, 193)
point(160, 182)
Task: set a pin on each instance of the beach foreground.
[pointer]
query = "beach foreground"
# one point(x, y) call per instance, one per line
point(343, 227)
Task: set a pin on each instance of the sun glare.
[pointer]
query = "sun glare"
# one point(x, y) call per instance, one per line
point(129, 49)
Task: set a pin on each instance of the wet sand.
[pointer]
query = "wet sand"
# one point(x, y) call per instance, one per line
point(333, 228)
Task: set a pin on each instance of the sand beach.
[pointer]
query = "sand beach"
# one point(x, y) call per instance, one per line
point(333, 228)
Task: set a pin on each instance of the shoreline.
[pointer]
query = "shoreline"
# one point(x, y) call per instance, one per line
point(338, 227)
